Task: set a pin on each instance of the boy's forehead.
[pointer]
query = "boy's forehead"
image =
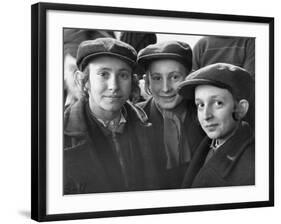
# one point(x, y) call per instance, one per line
point(108, 62)
point(165, 64)
point(211, 90)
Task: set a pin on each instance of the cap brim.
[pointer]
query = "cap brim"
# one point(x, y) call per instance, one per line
point(186, 88)
point(144, 60)
point(90, 57)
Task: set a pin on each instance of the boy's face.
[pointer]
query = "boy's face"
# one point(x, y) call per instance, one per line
point(164, 77)
point(109, 84)
point(215, 107)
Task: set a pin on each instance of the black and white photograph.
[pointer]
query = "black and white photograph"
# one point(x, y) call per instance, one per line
point(148, 112)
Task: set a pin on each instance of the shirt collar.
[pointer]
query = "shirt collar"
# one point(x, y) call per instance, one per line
point(216, 144)
point(115, 125)
point(115, 122)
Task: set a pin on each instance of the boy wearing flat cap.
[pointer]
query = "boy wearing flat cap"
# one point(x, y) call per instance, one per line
point(175, 134)
point(105, 141)
point(226, 157)
point(72, 38)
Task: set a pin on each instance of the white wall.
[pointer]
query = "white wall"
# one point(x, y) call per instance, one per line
point(15, 111)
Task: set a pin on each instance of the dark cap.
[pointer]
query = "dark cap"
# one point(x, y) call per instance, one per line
point(237, 80)
point(73, 37)
point(105, 46)
point(176, 50)
point(138, 40)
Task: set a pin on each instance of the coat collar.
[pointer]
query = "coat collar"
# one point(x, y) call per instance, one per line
point(196, 162)
point(154, 113)
point(229, 153)
point(75, 117)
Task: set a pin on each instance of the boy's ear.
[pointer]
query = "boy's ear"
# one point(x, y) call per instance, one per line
point(242, 108)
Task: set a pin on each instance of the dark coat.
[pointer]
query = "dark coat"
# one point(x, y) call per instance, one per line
point(232, 164)
point(171, 178)
point(90, 162)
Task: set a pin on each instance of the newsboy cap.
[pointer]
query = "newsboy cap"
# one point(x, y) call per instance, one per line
point(73, 37)
point(105, 46)
point(236, 79)
point(176, 50)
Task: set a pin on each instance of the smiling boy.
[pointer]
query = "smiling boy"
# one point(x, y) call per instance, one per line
point(175, 134)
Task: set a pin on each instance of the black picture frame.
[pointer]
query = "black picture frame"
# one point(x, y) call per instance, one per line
point(39, 110)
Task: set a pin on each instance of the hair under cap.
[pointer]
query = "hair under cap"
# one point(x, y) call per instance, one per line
point(236, 79)
point(105, 46)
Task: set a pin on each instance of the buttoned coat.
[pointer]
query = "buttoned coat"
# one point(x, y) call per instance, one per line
point(232, 164)
point(171, 178)
point(90, 163)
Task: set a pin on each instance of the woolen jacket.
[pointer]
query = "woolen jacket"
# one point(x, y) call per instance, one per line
point(171, 178)
point(91, 163)
point(232, 164)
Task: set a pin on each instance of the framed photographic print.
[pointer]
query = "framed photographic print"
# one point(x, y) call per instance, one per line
point(103, 144)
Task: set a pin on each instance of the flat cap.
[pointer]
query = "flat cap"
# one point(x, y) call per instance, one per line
point(176, 50)
point(105, 46)
point(236, 79)
point(73, 37)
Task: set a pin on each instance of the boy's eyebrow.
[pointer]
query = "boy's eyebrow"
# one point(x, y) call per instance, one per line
point(217, 96)
point(198, 101)
point(213, 97)
point(155, 73)
point(175, 72)
point(109, 69)
point(125, 69)
point(104, 68)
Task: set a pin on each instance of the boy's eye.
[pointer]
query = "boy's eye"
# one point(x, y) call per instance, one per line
point(175, 77)
point(104, 74)
point(124, 75)
point(156, 78)
point(218, 103)
point(199, 105)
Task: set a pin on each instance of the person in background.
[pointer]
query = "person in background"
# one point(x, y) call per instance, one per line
point(226, 157)
point(106, 147)
point(139, 40)
point(239, 51)
point(175, 134)
point(71, 40)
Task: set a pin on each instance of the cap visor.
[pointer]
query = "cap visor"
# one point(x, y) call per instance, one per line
point(90, 57)
point(186, 88)
point(149, 57)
